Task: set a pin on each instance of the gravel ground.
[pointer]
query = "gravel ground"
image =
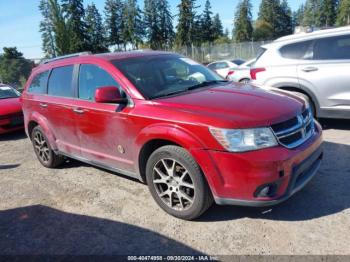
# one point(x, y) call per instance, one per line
point(79, 209)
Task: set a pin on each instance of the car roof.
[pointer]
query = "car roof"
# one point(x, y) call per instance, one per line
point(309, 36)
point(79, 57)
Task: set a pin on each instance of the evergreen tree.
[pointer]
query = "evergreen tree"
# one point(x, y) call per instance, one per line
point(132, 28)
point(262, 31)
point(185, 28)
point(60, 30)
point(312, 13)
point(46, 30)
point(74, 13)
point(243, 28)
point(113, 21)
point(96, 41)
point(13, 66)
point(166, 29)
point(151, 23)
point(327, 14)
point(298, 16)
point(343, 17)
point(218, 29)
point(285, 21)
point(207, 23)
point(277, 15)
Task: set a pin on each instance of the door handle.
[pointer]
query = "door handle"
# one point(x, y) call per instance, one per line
point(78, 111)
point(43, 105)
point(310, 69)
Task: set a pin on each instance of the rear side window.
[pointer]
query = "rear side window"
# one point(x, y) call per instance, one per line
point(301, 50)
point(92, 77)
point(60, 82)
point(39, 83)
point(332, 48)
point(221, 65)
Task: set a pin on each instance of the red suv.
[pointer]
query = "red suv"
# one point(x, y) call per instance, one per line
point(172, 123)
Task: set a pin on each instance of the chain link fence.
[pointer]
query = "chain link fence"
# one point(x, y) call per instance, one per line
point(209, 53)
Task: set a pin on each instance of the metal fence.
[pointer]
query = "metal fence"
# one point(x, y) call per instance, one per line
point(209, 53)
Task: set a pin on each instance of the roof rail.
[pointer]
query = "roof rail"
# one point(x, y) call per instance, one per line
point(46, 61)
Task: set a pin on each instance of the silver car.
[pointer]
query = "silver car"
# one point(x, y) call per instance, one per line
point(316, 65)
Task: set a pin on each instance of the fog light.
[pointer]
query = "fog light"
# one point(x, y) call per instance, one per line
point(265, 191)
point(268, 190)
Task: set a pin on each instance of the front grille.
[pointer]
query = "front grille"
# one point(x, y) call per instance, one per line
point(295, 131)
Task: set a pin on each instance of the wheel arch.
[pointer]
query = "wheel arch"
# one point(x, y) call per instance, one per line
point(154, 137)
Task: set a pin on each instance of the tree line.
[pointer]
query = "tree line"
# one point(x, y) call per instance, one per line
point(68, 26)
point(276, 19)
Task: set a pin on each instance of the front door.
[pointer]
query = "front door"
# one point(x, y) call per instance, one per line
point(102, 128)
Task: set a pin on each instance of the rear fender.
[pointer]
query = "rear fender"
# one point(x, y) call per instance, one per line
point(43, 123)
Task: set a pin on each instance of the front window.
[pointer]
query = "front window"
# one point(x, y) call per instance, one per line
point(8, 92)
point(165, 75)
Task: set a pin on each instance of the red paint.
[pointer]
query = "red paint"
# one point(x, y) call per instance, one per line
point(10, 108)
point(183, 120)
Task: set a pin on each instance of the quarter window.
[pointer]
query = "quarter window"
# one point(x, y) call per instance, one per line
point(92, 77)
point(39, 83)
point(60, 82)
point(301, 50)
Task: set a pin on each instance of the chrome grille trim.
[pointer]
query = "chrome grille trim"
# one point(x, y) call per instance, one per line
point(299, 130)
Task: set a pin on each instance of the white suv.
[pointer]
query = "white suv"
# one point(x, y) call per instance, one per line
point(317, 65)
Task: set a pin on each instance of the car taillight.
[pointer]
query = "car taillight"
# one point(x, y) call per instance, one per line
point(230, 73)
point(254, 71)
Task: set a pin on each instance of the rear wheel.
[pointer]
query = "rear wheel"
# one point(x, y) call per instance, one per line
point(47, 157)
point(177, 183)
point(244, 81)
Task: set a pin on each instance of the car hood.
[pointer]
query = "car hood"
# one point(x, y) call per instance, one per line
point(10, 106)
point(235, 105)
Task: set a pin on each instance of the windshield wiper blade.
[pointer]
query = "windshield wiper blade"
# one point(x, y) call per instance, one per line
point(206, 83)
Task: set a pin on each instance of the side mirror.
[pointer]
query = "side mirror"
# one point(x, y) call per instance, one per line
point(109, 94)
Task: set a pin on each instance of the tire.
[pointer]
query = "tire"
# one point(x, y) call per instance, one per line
point(173, 176)
point(46, 156)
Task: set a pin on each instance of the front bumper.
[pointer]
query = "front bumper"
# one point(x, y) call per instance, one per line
point(301, 175)
point(234, 178)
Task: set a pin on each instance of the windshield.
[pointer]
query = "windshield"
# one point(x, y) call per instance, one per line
point(159, 76)
point(8, 92)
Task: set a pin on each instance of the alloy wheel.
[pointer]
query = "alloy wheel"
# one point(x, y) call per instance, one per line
point(41, 147)
point(174, 184)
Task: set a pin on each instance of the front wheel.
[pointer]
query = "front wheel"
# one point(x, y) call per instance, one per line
point(177, 183)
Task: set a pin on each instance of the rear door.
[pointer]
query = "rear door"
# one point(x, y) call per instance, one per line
point(61, 109)
point(327, 72)
point(103, 128)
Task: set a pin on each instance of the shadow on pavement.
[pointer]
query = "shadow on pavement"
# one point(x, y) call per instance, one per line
point(40, 230)
point(3, 167)
point(328, 193)
point(17, 135)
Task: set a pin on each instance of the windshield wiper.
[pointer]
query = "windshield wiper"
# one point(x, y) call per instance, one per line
point(206, 83)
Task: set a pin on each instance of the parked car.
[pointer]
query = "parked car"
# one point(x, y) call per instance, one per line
point(314, 64)
point(222, 68)
point(175, 125)
point(11, 116)
point(241, 73)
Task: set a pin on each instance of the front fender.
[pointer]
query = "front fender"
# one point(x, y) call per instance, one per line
point(43, 123)
point(170, 132)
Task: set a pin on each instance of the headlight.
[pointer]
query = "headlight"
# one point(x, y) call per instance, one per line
point(241, 140)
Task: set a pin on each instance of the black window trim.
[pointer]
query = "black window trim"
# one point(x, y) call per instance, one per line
point(46, 84)
point(120, 87)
